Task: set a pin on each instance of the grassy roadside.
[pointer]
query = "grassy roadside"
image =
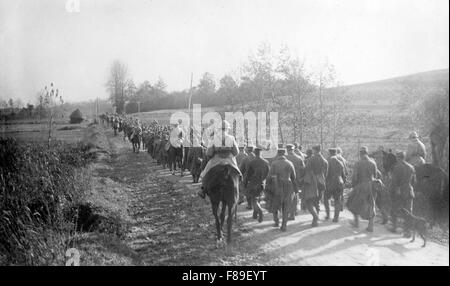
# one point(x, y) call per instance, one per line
point(108, 202)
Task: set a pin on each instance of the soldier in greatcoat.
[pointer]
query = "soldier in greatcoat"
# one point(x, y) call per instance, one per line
point(243, 167)
point(299, 166)
point(254, 181)
point(361, 201)
point(335, 185)
point(282, 186)
point(402, 191)
point(319, 167)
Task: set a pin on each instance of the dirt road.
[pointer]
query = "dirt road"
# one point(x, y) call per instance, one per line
point(172, 226)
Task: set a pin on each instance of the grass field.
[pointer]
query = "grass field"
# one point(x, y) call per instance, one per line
point(37, 131)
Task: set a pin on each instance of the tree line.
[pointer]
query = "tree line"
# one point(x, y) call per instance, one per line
point(268, 81)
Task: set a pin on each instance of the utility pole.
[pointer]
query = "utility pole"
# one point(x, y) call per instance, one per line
point(321, 110)
point(335, 118)
point(190, 96)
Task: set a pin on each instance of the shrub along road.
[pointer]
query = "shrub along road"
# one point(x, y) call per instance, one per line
point(170, 225)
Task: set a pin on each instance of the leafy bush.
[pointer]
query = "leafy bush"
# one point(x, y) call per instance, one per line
point(76, 117)
point(36, 185)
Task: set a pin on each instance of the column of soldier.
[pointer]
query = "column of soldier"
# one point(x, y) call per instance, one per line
point(293, 176)
point(312, 178)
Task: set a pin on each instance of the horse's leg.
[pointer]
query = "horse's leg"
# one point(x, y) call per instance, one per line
point(231, 208)
point(222, 214)
point(215, 208)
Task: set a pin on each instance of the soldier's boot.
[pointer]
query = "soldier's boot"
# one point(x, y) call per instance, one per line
point(275, 219)
point(254, 207)
point(370, 226)
point(311, 208)
point(315, 222)
point(327, 209)
point(336, 215)
point(337, 210)
point(394, 225)
point(260, 215)
point(283, 226)
point(285, 215)
point(291, 215)
point(385, 219)
point(249, 203)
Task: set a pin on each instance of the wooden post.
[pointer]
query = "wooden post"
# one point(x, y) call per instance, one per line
point(190, 95)
point(321, 111)
point(335, 119)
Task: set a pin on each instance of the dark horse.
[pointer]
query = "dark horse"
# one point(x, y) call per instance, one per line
point(136, 141)
point(432, 188)
point(222, 186)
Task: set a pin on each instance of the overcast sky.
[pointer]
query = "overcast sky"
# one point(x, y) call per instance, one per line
point(40, 41)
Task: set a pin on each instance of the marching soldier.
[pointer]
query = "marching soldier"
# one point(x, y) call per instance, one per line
point(402, 192)
point(364, 173)
point(298, 151)
point(415, 154)
point(319, 167)
point(299, 167)
point(242, 154)
point(335, 185)
point(282, 180)
point(243, 167)
point(341, 158)
point(254, 181)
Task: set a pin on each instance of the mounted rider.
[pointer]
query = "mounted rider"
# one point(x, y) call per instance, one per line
point(222, 150)
point(416, 152)
point(137, 129)
point(176, 143)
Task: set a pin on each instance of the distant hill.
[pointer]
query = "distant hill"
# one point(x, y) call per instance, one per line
point(388, 91)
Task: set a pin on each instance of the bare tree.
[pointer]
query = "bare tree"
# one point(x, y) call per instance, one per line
point(116, 85)
point(325, 78)
point(298, 88)
point(51, 100)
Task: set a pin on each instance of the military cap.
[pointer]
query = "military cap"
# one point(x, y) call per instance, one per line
point(250, 146)
point(364, 149)
point(332, 151)
point(413, 135)
point(281, 150)
point(316, 148)
point(400, 155)
point(290, 146)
